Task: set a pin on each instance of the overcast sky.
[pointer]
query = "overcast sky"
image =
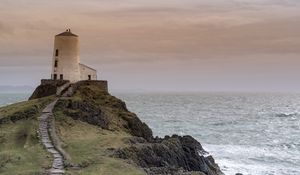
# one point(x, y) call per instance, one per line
point(176, 45)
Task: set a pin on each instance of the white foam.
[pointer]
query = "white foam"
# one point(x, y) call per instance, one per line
point(246, 160)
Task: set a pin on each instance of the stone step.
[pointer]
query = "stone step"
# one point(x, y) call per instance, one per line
point(57, 165)
point(56, 171)
point(53, 152)
point(45, 138)
point(57, 155)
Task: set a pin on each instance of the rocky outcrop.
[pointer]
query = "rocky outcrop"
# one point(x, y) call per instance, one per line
point(102, 116)
point(170, 155)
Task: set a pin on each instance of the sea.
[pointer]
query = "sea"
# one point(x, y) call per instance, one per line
point(248, 133)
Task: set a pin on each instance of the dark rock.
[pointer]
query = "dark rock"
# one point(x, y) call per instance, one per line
point(136, 140)
point(84, 111)
point(169, 155)
point(170, 171)
point(137, 127)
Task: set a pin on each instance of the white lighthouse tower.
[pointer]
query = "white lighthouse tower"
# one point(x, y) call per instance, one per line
point(66, 61)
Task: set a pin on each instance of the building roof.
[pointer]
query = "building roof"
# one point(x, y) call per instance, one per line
point(87, 66)
point(67, 33)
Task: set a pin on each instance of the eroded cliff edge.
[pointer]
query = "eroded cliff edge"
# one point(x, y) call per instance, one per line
point(102, 137)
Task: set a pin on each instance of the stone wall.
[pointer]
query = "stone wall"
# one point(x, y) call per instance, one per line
point(54, 82)
point(60, 87)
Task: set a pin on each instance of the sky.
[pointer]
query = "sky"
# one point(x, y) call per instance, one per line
point(158, 45)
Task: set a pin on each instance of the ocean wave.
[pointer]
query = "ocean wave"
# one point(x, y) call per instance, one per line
point(225, 123)
point(284, 115)
point(253, 160)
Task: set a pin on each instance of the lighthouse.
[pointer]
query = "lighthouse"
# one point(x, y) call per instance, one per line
point(66, 59)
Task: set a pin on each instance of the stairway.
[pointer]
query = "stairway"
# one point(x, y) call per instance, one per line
point(60, 90)
point(45, 123)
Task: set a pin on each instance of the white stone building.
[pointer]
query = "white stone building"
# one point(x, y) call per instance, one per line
point(66, 61)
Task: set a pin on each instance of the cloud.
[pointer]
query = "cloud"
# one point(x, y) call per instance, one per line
point(5, 30)
point(220, 38)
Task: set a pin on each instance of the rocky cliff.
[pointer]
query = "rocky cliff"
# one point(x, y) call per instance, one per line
point(101, 136)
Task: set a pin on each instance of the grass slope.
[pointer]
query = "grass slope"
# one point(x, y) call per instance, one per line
point(23, 110)
point(89, 145)
point(20, 150)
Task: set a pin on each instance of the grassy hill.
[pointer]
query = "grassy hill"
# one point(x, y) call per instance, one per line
point(99, 136)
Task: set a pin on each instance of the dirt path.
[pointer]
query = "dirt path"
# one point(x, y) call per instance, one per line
point(45, 125)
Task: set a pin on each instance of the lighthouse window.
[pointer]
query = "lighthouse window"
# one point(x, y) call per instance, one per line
point(56, 52)
point(55, 63)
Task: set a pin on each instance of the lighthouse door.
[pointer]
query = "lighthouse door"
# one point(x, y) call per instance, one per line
point(61, 76)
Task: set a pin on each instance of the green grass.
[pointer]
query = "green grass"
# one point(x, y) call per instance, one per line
point(23, 110)
point(113, 107)
point(97, 96)
point(108, 166)
point(20, 151)
point(88, 146)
